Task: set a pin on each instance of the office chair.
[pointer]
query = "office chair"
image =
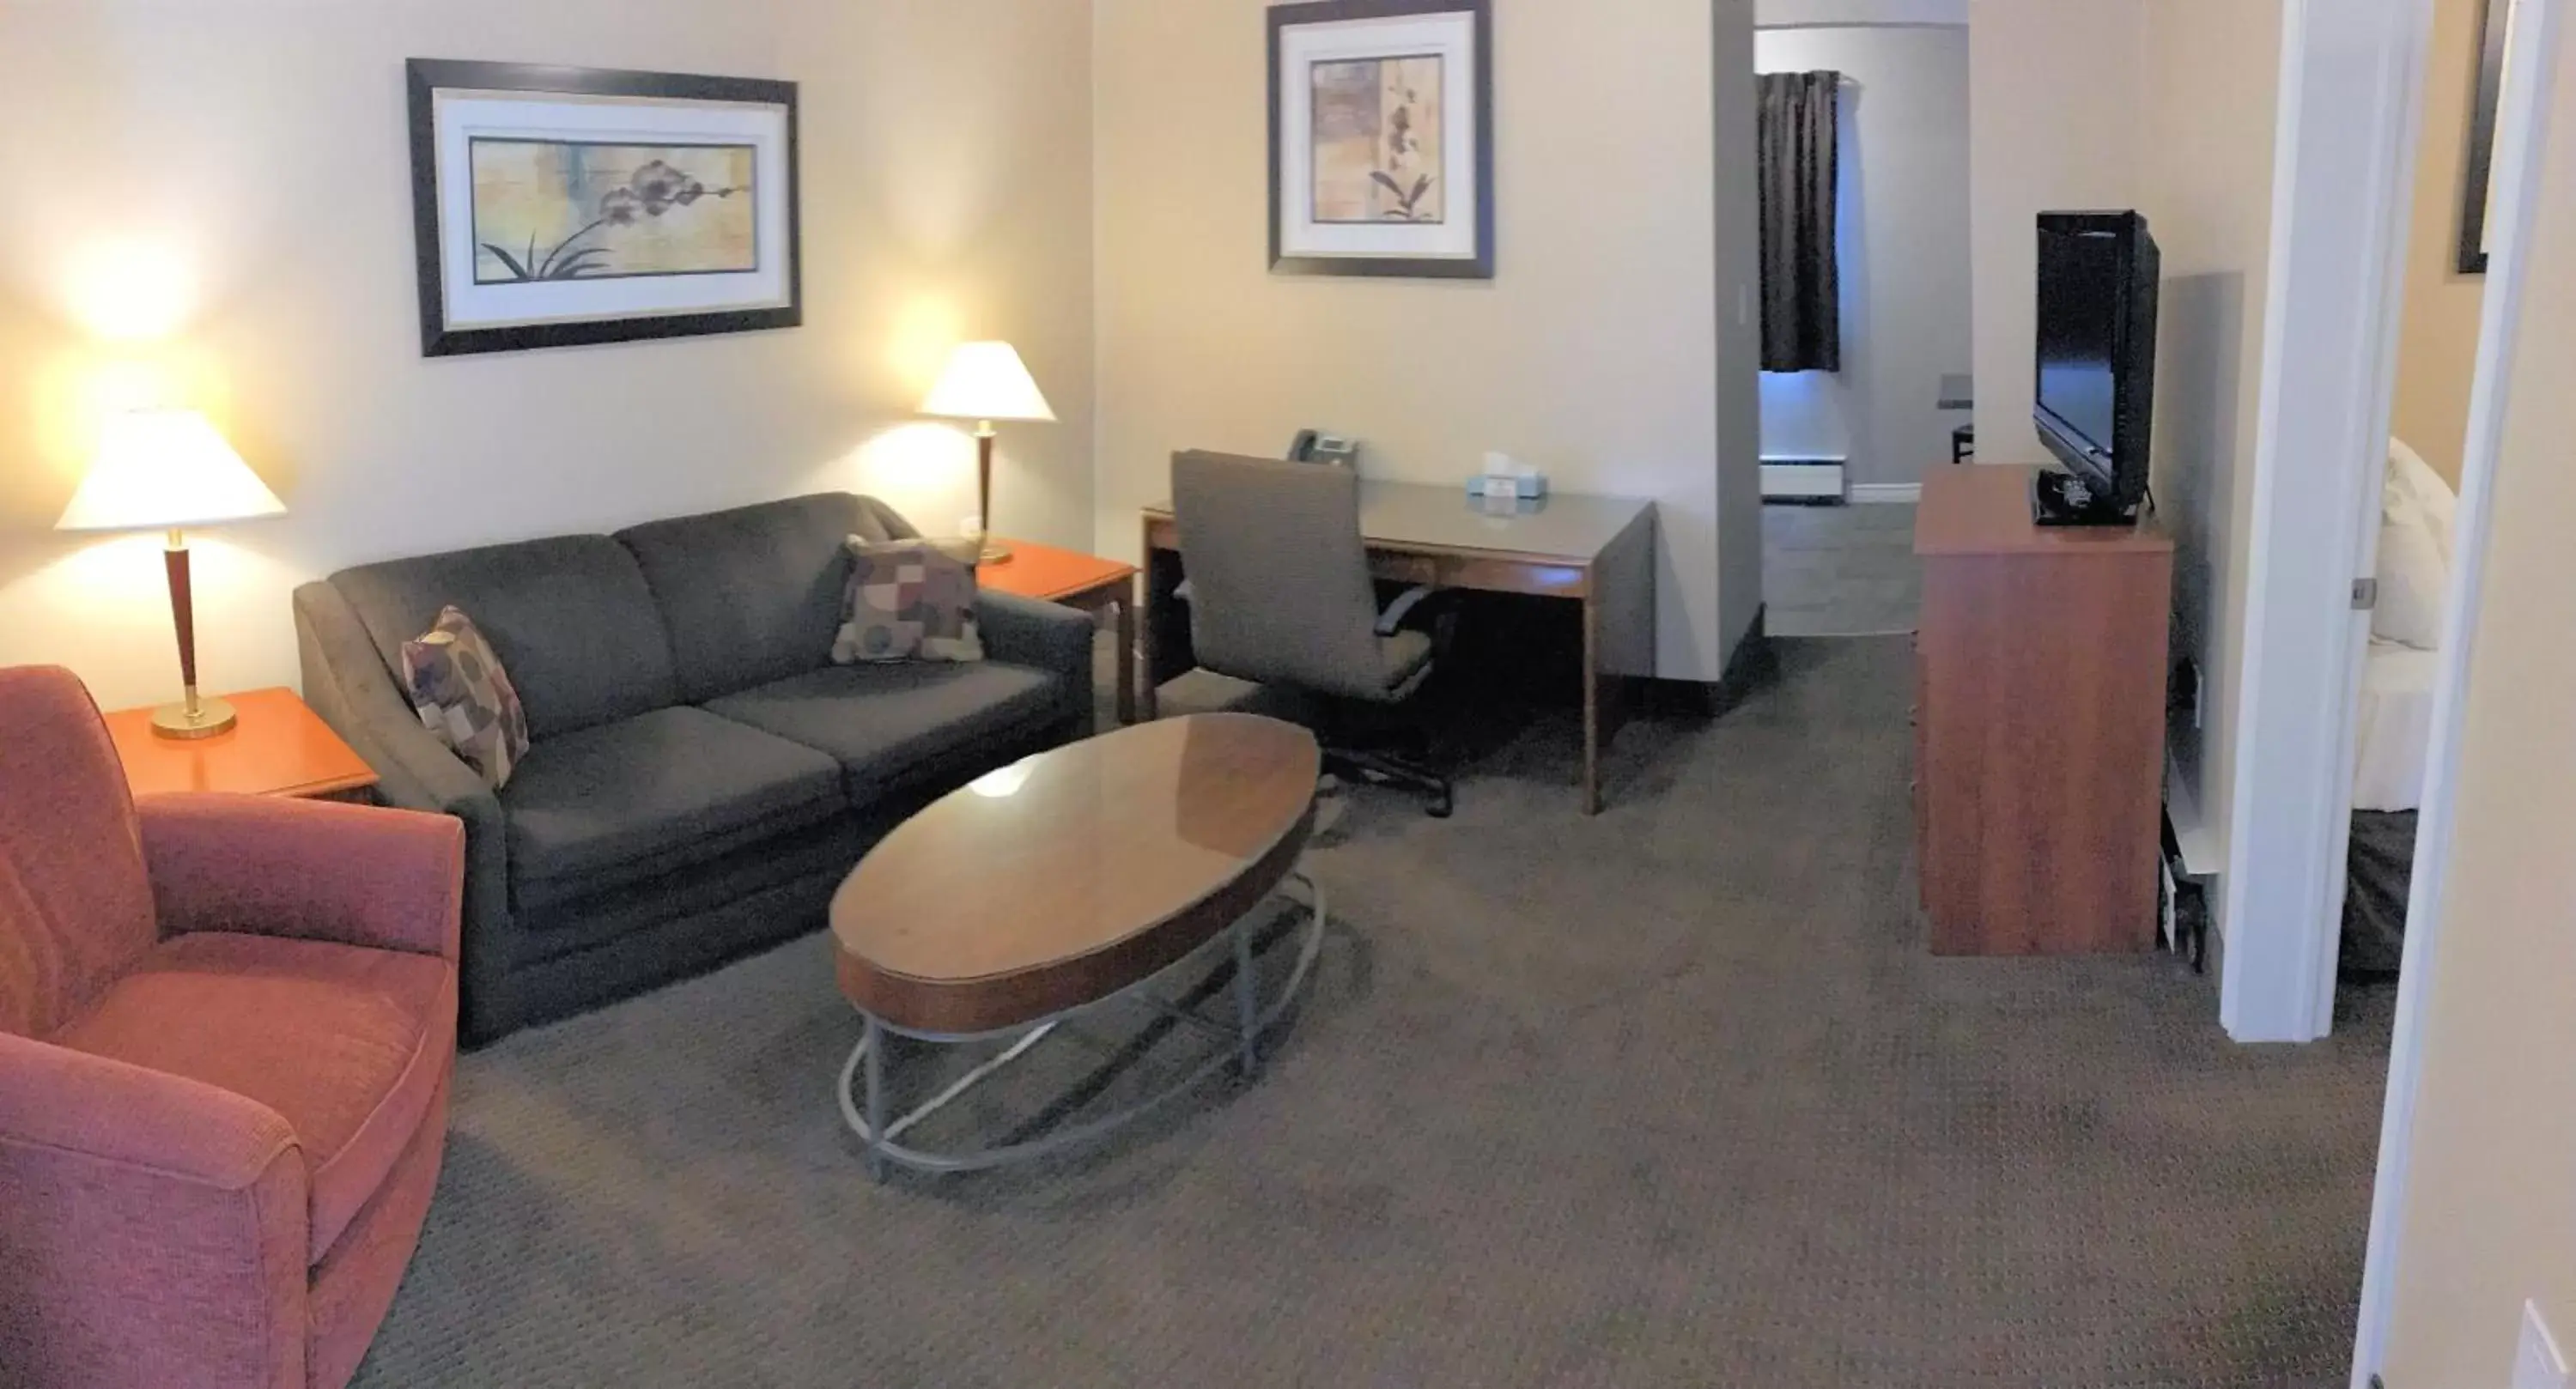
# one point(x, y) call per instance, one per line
point(1281, 595)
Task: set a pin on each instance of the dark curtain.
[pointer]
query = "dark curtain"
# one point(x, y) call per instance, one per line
point(1801, 286)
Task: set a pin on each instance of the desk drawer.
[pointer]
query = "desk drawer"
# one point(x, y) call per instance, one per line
point(1407, 569)
point(1482, 573)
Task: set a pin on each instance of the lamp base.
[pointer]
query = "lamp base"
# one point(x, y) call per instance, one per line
point(213, 716)
point(995, 552)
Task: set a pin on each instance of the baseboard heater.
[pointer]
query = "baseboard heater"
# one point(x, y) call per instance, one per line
point(1804, 481)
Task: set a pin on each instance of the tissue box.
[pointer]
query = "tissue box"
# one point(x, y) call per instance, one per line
point(1526, 487)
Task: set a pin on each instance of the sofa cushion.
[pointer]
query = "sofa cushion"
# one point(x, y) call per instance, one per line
point(348, 1045)
point(753, 595)
point(636, 799)
point(888, 724)
point(570, 617)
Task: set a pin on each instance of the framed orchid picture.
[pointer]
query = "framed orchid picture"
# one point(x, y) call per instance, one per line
point(561, 206)
point(1382, 138)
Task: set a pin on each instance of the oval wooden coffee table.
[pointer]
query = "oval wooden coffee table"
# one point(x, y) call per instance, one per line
point(1065, 882)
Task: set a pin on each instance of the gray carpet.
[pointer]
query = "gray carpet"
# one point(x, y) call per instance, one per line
point(1840, 571)
point(1671, 1097)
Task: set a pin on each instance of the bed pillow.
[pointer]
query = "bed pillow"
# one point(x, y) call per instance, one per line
point(2417, 512)
point(908, 600)
point(2434, 501)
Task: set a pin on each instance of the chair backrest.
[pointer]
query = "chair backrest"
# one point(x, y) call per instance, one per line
point(75, 905)
point(1279, 576)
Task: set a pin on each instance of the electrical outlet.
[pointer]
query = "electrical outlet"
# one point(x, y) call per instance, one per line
point(2539, 1365)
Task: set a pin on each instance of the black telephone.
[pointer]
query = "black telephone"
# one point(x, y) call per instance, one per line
point(1332, 450)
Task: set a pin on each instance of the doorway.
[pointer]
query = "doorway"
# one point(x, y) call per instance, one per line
point(1845, 450)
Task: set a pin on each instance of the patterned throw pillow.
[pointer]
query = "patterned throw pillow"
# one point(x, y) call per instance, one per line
point(463, 696)
point(909, 600)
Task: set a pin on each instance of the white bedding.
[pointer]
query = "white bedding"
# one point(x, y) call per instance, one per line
point(2396, 726)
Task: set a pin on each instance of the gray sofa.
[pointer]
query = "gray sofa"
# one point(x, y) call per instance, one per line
point(701, 777)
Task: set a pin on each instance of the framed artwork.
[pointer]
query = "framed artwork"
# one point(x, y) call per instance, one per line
point(2477, 207)
point(560, 206)
point(1382, 138)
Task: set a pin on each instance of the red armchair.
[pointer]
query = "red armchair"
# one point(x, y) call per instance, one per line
point(226, 1031)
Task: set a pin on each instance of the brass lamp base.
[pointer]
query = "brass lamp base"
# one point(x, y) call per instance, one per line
point(208, 718)
point(995, 552)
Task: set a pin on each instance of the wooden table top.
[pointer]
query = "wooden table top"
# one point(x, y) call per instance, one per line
point(1046, 573)
point(1984, 509)
point(1063, 879)
point(1566, 526)
point(280, 748)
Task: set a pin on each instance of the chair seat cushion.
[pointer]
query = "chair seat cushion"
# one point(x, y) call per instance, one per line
point(349, 1045)
point(638, 798)
point(891, 724)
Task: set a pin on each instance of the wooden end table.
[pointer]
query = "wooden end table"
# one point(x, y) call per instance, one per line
point(280, 748)
point(1085, 582)
point(1015, 905)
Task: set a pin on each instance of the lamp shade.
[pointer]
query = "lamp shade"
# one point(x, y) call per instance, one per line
point(986, 381)
point(163, 469)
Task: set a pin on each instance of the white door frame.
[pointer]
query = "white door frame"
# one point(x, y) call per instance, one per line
point(2343, 198)
point(2522, 152)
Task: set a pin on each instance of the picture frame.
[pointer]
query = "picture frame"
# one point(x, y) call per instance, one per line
point(2477, 205)
point(1382, 138)
point(558, 206)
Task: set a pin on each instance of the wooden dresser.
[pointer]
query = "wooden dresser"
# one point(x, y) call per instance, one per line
point(2039, 727)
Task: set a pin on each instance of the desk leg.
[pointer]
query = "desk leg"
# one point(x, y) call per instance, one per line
point(1127, 654)
point(1149, 700)
point(1591, 704)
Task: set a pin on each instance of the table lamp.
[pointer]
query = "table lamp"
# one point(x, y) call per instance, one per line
point(168, 470)
point(984, 382)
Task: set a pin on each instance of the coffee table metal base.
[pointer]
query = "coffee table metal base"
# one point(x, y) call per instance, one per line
point(861, 1090)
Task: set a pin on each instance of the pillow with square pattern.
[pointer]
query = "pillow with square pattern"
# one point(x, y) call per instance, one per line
point(464, 697)
point(908, 600)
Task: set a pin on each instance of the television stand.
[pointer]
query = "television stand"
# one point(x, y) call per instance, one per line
point(2063, 499)
point(2039, 732)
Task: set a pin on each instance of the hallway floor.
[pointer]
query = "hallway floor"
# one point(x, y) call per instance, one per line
point(1840, 571)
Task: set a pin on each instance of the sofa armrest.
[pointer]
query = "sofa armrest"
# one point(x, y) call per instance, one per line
point(347, 684)
point(153, 1230)
point(311, 870)
point(1049, 636)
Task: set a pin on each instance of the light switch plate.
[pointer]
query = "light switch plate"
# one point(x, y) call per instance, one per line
point(2539, 1365)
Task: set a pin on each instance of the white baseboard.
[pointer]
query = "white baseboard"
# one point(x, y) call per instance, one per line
point(1802, 480)
point(1886, 493)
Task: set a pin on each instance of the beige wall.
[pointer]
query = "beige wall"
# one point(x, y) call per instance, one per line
point(2170, 108)
point(2437, 360)
point(2490, 1218)
point(2212, 82)
point(2055, 124)
point(229, 178)
point(1592, 353)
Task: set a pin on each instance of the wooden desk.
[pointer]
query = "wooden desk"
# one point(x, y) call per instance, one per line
point(280, 748)
point(1597, 551)
point(2040, 724)
point(1076, 580)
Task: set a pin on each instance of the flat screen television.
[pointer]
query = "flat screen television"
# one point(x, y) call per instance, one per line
point(2098, 278)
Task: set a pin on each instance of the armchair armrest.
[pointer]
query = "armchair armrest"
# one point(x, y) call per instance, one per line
point(1050, 636)
point(153, 1230)
point(312, 870)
